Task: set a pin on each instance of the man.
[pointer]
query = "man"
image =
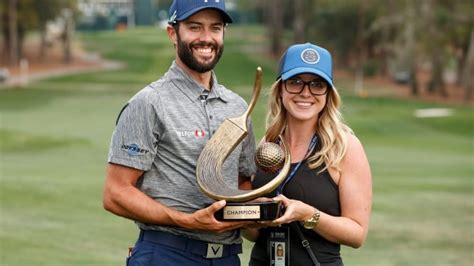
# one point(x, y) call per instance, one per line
point(158, 138)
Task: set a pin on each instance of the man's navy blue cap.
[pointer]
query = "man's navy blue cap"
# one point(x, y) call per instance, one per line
point(306, 58)
point(183, 9)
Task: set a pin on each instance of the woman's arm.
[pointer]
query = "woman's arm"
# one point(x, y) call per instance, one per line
point(355, 195)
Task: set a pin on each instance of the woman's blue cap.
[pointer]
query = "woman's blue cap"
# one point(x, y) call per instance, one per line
point(306, 58)
point(183, 9)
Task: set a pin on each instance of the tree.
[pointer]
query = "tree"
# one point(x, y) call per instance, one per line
point(391, 37)
point(18, 16)
point(410, 45)
point(21, 16)
point(447, 27)
point(301, 19)
point(361, 49)
point(467, 79)
point(275, 24)
point(13, 32)
point(461, 43)
point(47, 10)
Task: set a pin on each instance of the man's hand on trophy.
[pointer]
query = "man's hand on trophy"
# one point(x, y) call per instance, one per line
point(205, 220)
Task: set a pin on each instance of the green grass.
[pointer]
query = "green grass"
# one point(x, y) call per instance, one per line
point(54, 137)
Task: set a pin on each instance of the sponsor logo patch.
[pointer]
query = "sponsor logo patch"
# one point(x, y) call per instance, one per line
point(198, 133)
point(134, 149)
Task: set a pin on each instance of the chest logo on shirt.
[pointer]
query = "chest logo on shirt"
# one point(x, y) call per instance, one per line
point(198, 133)
point(134, 149)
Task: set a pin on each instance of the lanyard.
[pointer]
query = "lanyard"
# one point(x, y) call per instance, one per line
point(293, 172)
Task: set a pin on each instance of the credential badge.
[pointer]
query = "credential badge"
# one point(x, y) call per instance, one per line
point(310, 56)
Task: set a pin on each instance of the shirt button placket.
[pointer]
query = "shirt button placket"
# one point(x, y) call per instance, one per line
point(209, 118)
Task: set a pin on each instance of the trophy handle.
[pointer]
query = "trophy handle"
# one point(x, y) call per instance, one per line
point(237, 195)
point(217, 149)
point(257, 87)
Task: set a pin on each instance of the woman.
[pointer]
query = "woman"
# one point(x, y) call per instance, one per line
point(327, 195)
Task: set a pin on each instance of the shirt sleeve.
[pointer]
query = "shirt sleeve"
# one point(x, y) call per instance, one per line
point(135, 137)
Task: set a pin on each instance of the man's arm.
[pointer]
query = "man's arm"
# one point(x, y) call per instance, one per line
point(122, 198)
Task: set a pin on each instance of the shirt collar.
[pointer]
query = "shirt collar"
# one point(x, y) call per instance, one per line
point(192, 89)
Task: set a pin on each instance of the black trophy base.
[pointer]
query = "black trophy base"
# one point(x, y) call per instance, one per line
point(249, 211)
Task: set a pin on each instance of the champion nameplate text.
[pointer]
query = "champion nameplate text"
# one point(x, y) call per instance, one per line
point(242, 212)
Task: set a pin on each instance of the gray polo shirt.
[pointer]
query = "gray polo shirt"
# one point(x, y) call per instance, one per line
point(163, 129)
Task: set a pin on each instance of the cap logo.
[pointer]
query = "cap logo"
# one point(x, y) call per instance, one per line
point(173, 17)
point(310, 56)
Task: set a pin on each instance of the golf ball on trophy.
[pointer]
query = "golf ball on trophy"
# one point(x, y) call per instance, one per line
point(269, 157)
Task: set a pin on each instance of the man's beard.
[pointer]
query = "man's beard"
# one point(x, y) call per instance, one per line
point(186, 55)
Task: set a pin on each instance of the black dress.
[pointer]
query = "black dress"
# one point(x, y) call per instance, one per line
point(318, 190)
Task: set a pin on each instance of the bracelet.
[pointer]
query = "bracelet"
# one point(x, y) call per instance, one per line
point(313, 221)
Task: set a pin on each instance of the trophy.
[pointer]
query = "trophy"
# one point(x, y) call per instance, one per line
point(270, 157)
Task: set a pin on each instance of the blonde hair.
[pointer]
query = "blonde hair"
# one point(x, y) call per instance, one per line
point(331, 129)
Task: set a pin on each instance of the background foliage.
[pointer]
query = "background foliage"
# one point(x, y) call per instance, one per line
point(54, 138)
point(397, 39)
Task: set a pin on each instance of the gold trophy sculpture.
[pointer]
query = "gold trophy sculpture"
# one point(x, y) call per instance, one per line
point(241, 204)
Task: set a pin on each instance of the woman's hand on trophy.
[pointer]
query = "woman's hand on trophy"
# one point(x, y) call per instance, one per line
point(295, 210)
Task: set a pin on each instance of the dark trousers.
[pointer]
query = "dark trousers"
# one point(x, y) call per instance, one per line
point(165, 249)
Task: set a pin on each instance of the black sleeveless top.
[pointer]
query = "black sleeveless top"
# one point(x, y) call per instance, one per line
point(318, 190)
